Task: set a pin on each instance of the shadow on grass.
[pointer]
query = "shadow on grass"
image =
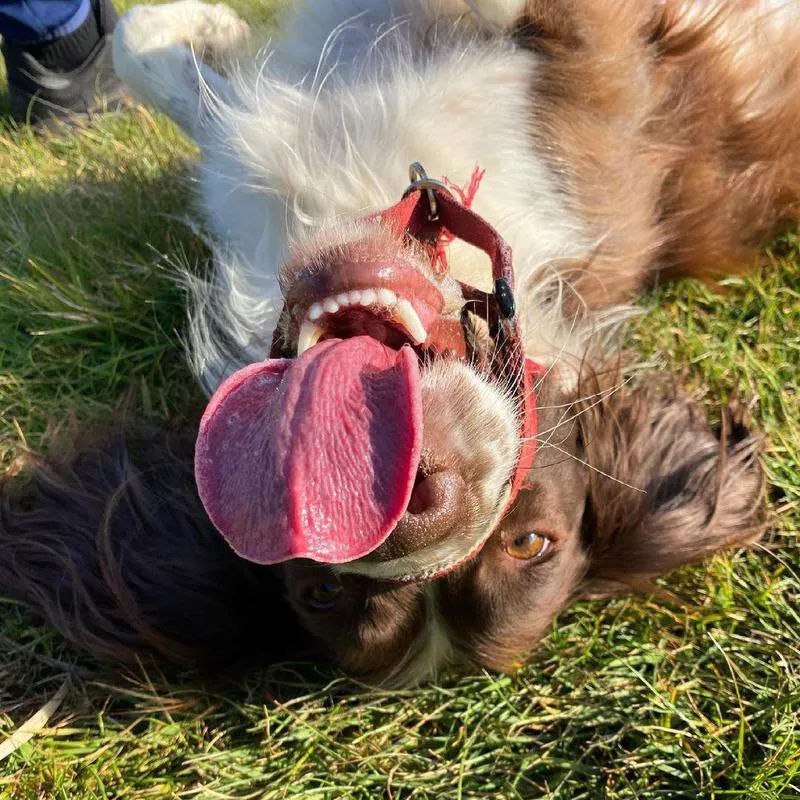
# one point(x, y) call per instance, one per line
point(91, 317)
point(89, 302)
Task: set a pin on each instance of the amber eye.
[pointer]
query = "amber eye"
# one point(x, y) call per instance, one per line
point(322, 596)
point(527, 546)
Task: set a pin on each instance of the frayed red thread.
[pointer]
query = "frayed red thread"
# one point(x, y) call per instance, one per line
point(465, 197)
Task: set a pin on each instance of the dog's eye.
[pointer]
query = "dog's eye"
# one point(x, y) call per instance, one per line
point(527, 546)
point(322, 596)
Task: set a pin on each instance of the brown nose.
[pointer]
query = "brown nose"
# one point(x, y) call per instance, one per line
point(438, 508)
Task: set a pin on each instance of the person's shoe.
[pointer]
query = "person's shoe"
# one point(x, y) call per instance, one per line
point(42, 91)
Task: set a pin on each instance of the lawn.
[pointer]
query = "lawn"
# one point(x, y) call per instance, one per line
point(631, 698)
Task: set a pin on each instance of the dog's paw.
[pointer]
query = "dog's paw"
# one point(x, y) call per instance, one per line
point(218, 29)
point(497, 15)
point(214, 30)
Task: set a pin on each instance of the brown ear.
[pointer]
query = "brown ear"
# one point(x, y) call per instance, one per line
point(110, 544)
point(664, 488)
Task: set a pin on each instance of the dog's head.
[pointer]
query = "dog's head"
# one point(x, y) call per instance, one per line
point(386, 438)
point(396, 422)
point(111, 545)
point(628, 484)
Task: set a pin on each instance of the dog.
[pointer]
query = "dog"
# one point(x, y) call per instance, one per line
point(384, 349)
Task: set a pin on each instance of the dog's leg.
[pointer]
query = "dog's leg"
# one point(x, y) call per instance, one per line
point(497, 15)
point(159, 52)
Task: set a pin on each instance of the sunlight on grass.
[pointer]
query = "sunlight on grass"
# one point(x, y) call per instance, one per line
point(631, 698)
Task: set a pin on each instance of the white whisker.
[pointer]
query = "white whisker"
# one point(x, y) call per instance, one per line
point(598, 471)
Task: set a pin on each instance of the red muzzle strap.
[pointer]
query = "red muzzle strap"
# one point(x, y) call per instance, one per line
point(430, 214)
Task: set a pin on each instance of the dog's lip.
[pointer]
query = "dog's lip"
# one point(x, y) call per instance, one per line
point(405, 282)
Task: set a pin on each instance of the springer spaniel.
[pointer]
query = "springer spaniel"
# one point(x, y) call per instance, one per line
point(417, 449)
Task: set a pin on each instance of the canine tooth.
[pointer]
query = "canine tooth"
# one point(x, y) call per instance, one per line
point(343, 299)
point(386, 297)
point(407, 316)
point(315, 312)
point(309, 336)
point(355, 297)
point(369, 297)
point(330, 306)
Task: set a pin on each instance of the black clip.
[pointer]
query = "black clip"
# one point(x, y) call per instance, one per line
point(505, 298)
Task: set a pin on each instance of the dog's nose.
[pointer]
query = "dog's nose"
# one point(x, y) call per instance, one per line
point(438, 508)
point(435, 499)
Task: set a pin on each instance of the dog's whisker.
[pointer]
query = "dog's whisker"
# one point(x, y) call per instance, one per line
point(596, 470)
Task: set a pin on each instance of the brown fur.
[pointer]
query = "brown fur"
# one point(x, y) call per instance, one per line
point(636, 486)
point(109, 543)
point(111, 546)
point(683, 156)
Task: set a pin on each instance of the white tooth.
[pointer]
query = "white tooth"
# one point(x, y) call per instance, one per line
point(309, 336)
point(355, 297)
point(386, 297)
point(343, 299)
point(406, 315)
point(315, 312)
point(330, 306)
point(369, 297)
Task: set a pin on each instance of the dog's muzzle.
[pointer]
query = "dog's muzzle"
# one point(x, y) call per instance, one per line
point(277, 488)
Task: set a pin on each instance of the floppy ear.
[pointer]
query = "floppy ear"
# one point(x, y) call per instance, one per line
point(664, 488)
point(111, 546)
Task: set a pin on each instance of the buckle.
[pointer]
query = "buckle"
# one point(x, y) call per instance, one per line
point(421, 181)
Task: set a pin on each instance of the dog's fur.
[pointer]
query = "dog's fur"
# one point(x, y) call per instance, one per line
point(623, 141)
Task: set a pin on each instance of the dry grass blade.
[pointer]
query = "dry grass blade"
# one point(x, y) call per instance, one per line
point(34, 724)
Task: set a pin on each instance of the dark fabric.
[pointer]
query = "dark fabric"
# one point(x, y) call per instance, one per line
point(67, 76)
point(33, 21)
point(67, 53)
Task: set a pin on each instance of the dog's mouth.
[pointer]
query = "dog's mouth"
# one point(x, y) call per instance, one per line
point(317, 452)
point(389, 301)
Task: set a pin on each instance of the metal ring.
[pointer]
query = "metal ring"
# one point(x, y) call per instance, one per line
point(421, 182)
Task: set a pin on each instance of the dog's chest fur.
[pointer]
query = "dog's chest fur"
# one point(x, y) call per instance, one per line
point(350, 96)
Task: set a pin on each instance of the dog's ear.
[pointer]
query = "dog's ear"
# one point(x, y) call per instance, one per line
point(665, 489)
point(110, 545)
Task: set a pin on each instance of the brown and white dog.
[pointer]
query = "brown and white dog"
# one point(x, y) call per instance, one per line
point(362, 445)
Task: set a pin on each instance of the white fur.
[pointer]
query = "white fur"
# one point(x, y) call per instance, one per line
point(323, 127)
point(497, 14)
point(430, 652)
point(159, 52)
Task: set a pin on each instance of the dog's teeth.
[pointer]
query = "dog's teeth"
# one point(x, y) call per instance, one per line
point(402, 312)
point(369, 297)
point(309, 336)
point(406, 315)
point(386, 297)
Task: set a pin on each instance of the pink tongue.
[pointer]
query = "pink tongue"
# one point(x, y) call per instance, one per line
point(313, 457)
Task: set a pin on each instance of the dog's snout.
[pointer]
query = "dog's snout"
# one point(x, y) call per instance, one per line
point(438, 508)
point(436, 499)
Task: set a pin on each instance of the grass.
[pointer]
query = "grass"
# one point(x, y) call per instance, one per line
point(631, 698)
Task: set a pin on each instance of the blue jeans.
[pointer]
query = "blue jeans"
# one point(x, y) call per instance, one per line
point(35, 21)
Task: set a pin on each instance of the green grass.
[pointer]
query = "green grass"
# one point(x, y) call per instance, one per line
point(631, 698)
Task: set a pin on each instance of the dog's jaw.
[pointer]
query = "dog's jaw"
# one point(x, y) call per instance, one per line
point(336, 151)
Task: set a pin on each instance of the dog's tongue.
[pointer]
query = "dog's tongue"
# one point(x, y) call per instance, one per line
point(313, 457)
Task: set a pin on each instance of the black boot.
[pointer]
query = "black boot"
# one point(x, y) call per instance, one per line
point(69, 77)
